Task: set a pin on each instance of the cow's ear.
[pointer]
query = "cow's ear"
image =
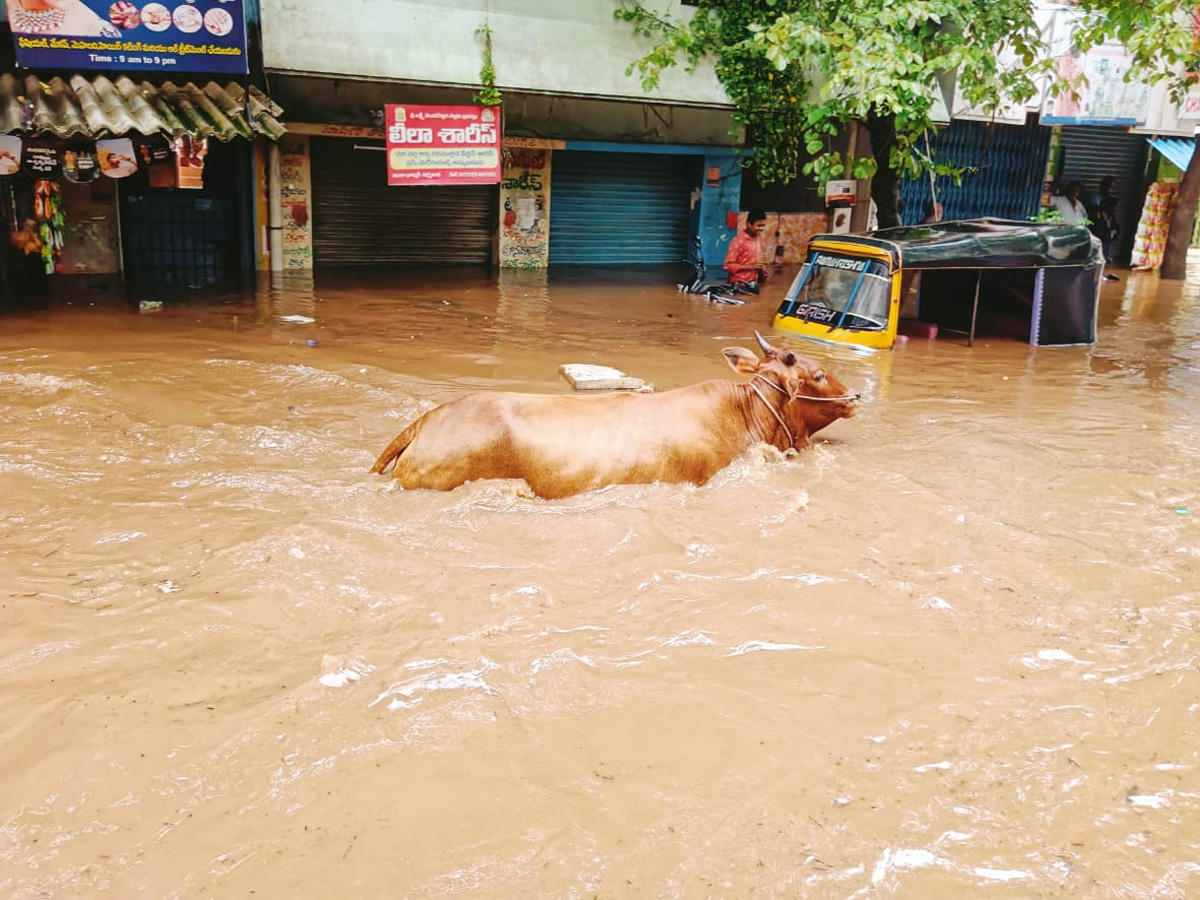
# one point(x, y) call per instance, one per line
point(741, 360)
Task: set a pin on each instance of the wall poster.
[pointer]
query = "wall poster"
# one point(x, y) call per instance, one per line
point(525, 203)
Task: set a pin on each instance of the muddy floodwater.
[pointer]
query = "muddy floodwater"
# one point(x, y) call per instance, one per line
point(951, 650)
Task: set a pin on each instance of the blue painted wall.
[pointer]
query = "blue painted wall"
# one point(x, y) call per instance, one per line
point(715, 203)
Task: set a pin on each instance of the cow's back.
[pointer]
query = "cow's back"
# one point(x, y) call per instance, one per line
point(563, 445)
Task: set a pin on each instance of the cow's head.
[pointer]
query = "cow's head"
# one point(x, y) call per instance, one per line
point(811, 396)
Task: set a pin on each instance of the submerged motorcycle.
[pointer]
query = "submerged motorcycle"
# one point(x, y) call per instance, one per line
point(716, 293)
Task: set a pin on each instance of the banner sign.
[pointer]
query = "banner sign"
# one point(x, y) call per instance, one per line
point(1190, 107)
point(155, 150)
point(41, 163)
point(443, 144)
point(79, 164)
point(180, 35)
point(1106, 98)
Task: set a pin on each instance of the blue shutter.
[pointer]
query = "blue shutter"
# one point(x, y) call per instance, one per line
point(1006, 166)
point(620, 208)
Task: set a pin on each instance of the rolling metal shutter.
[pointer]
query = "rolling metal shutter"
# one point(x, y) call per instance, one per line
point(1091, 153)
point(620, 208)
point(358, 220)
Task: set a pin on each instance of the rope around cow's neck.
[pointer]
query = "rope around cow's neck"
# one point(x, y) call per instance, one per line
point(781, 390)
point(774, 411)
point(778, 418)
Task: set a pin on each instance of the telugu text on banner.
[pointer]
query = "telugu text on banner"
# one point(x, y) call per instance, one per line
point(442, 144)
point(192, 36)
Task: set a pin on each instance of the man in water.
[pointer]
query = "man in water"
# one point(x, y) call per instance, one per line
point(743, 262)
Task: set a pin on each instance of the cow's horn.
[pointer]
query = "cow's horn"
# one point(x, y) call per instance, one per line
point(762, 342)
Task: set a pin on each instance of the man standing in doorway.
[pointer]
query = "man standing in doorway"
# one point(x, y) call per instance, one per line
point(1102, 210)
point(743, 262)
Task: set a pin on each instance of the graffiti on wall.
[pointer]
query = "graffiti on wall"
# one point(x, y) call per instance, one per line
point(525, 208)
point(295, 176)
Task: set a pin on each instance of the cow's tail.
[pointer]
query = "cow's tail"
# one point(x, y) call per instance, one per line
point(395, 448)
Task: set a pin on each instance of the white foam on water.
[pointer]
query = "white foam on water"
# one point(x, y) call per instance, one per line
point(929, 767)
point(1149, 801)
point(120, 537)
point(406, 694)
point(757, 646)
point(1001, 874)
point(684, 638)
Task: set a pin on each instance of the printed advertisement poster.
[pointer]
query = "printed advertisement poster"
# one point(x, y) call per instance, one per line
point(10, 154)
point(1190, 107)
point(132, 35)
point(1107, 98)
point(116, 156)
point(79, 164)
point(525, 205)
point(443, 144)
point(189, 161)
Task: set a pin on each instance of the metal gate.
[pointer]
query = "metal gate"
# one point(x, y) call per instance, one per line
point(359, 220)
point(620, 208)
point(1005, 167)
point(175, 239)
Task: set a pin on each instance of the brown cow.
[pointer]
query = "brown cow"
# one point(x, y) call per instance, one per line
point(563, 445)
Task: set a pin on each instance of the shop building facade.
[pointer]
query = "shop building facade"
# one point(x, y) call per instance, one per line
point(595, 171)
point(119, 176)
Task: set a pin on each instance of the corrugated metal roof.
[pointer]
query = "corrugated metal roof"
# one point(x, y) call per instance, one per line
point(99, 107)
point(1177, 150)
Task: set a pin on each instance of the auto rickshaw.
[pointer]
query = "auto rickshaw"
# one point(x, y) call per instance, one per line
point(1038, 282)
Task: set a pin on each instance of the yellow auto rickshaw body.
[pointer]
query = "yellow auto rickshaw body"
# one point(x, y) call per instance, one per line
point(1032, 281)
point(848, 292)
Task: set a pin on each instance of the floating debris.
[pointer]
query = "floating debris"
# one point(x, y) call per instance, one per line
point(601, 378)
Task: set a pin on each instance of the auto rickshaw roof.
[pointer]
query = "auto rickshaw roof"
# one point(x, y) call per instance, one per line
point(979, 244)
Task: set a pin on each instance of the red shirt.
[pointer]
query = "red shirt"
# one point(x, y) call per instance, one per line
point(743, 251)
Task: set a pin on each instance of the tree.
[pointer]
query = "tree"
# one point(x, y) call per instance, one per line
point(1163, 40)
point(799, 71)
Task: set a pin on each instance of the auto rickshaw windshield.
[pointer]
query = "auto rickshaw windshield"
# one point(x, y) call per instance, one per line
point(841, 291)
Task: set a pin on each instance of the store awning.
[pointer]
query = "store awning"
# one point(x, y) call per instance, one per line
point(99, 107)
point(1177, 150)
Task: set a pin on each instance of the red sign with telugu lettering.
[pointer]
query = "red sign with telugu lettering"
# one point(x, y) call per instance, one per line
point(442, 144)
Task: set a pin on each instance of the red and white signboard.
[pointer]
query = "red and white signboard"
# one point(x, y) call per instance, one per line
point(1190, 107)
point(442, 144)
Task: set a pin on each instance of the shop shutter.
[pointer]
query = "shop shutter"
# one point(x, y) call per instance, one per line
point(620, 208)
point(1091, 153)
point(359, 220)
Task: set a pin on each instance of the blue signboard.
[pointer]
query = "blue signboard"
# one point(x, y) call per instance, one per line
point(130, 35)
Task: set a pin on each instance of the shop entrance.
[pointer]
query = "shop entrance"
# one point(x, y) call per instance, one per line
point(186, 240)
point(611, 208)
